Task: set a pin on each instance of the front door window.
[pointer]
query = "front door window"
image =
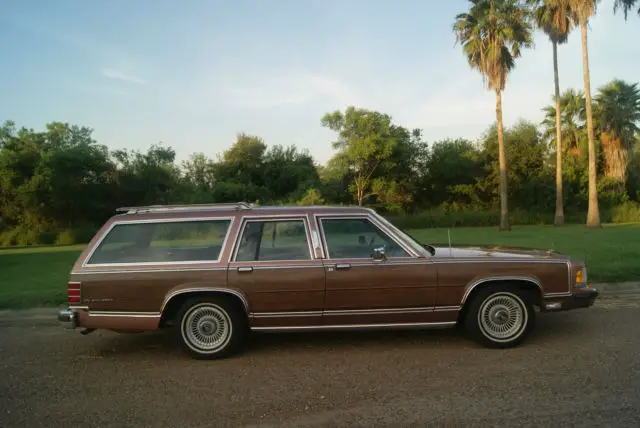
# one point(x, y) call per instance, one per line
point(357, 238)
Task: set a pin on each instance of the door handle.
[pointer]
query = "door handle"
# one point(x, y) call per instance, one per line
point(343, 266)
point(245, 269)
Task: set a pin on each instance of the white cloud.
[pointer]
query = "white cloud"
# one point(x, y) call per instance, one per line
point(117, 74)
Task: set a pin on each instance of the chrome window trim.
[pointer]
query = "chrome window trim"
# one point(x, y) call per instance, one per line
point(481, 281)
point(271, 218)
point(185, 269)
point(231, 219)
point(359, 216)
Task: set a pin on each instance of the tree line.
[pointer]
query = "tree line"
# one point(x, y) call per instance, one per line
point(58, 184)
point(493, 34)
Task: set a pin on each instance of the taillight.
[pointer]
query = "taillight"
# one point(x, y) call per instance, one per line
point(73, 292)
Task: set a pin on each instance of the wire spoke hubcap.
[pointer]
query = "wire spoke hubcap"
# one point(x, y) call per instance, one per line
point(502, 316)
point(207, 327)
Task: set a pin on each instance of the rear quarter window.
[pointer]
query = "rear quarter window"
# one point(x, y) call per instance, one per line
point(162, 242)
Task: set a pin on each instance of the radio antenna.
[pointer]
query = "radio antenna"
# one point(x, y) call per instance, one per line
point(449, 235)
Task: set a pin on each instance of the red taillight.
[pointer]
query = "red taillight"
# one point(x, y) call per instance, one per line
point(73, 292)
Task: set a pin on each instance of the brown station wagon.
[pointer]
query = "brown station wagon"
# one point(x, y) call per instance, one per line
point(216, 272)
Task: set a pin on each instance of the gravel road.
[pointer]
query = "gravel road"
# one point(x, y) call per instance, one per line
point(580, 368)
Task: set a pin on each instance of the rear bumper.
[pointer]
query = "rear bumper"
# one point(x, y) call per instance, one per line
point(579, 299)
point(68, 318)
point(71, 318)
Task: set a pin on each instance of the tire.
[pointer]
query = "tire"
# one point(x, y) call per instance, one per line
point(211, 327)
point(500, 316)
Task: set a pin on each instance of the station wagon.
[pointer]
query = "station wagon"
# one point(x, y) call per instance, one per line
point(214, 273)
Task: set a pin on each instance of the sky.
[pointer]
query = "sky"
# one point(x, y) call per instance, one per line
point(193, 74)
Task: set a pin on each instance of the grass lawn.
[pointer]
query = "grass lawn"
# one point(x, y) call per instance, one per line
point(38, 276)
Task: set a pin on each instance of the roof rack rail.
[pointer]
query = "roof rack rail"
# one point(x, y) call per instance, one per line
point(186, 207)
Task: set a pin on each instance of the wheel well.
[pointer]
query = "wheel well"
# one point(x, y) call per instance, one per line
point(175, 303)
point(528, 286)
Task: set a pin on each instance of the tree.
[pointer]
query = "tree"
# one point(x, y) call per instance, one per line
point(552, 16)
point(626, 6)
point(146, 178)
point(617, 116)
point(531, 180)
point(572, 129)
point(288, 173)
point(492, 35)
point(450, 175)
point(199, 179)
point(365, 142)
point(581, 11)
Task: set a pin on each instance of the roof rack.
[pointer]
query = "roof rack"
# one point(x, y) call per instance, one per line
point(185, 207)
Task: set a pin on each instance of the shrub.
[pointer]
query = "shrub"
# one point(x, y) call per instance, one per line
point(66, 237)
point(625, 213)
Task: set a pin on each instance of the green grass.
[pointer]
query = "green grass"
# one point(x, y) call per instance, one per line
point(37, 276)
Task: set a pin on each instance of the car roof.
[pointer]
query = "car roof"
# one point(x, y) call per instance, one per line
point(226, 210)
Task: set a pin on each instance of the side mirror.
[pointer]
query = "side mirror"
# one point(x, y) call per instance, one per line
point(378, 254)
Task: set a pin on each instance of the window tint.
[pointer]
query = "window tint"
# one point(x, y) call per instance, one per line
point(273, 240)
point(163, 242)
point(357, 238)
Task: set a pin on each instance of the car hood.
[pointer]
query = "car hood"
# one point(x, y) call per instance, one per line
point(461, 251)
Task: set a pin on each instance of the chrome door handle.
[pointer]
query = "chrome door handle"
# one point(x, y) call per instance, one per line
point(245, 269)
point(343, 266)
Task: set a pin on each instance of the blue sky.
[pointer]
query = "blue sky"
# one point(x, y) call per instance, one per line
point(192, 73)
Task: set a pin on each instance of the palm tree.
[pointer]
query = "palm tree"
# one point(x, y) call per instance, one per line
point(552, 16)
point(626, 6)
point(581, 11)
point(492, 35)
point(617, 116)
point(572, 122)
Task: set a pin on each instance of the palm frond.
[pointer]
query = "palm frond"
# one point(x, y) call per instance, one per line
point(492, 35)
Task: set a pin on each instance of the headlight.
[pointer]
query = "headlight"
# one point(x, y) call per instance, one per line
point(581, 276)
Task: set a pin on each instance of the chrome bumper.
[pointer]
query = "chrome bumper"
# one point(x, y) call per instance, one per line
point(68, 318)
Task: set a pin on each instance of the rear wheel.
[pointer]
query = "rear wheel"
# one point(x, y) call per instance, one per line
point(500, 317)
point(211, 327)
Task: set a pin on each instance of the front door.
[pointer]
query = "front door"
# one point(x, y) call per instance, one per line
point(400, 288)
point(274, 265)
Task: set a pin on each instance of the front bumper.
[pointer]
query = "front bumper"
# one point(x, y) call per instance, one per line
point(68, 318)
point(578, 299)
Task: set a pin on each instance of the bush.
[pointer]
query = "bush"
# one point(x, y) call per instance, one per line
point(66, 237)
point(627, 212)
point(9, 238)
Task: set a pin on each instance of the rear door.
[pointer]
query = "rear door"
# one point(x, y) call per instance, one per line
point(274, 265)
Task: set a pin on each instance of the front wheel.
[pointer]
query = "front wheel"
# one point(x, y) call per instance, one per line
point(210, 327)
point(500, 317)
